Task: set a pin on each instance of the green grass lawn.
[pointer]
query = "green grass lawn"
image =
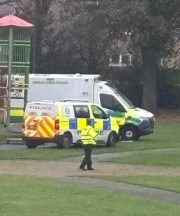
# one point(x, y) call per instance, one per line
point(169, 183)
point(170, 158)
point(165, 136)
point(163, 159)
point(27, 196)
point(4, 134)
point(39, 154)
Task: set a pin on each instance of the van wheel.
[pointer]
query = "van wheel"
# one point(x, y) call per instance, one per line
point(31, 144)
point(129, 132)
point(112, 140)
point(66, 141)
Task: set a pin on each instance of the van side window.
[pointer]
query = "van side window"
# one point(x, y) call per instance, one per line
point(110, 102)
point(98, 113)
point(81, 111)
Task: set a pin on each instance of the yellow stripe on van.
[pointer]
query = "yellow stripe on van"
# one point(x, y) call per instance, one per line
point(98, 124)
point(42, 132)
point(49, 125)
point(114, 125)
point(120, 121)
point(64, 123)
point(81, 123)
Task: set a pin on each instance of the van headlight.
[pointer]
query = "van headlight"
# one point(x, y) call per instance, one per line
point(144, 118)
point(148, 118)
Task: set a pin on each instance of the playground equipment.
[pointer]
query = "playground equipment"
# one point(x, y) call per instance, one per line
point(15, 46)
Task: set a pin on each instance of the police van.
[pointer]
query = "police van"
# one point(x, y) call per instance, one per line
point(62, 122)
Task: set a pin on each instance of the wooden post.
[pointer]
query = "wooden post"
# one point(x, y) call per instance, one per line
point(10, 60)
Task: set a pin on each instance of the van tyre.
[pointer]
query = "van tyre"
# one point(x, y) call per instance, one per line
point(31, 144)
point(112, 140)
point(129, 132)
point(65, 141)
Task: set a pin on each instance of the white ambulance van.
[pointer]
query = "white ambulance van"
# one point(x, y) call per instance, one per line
point(62, 122)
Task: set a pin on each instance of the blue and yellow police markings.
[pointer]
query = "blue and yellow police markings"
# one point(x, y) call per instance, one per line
point(78, 123)
point(106, 124)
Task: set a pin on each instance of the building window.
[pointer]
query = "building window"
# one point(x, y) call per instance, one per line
point(120, 60)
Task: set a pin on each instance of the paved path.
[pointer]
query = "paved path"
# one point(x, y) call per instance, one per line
point(108, 156)
point(68, 170)
point(152, 193)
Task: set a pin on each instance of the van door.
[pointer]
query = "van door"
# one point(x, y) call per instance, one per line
point(81, 113)
point(101, 123)
point(39, 120)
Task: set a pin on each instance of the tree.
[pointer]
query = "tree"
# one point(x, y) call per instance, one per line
point(80, 38)
point(151, 23)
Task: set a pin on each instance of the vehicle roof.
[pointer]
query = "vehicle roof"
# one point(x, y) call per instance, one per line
point(61, 102)
point(56, 76)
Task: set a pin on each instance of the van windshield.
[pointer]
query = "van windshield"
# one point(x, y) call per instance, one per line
point(40, 110)
point(123, 98)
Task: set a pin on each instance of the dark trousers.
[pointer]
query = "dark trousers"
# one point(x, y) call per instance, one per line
point(87, 158)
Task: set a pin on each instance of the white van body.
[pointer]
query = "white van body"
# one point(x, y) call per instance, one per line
point(133, 122)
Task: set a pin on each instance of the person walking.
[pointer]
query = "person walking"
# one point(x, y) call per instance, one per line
point(88, 138)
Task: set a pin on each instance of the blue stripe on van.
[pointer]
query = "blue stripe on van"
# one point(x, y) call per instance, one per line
point(72, 123)
point(106, 124)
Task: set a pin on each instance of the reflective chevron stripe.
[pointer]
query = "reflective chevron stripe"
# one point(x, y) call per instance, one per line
point(43, 127)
